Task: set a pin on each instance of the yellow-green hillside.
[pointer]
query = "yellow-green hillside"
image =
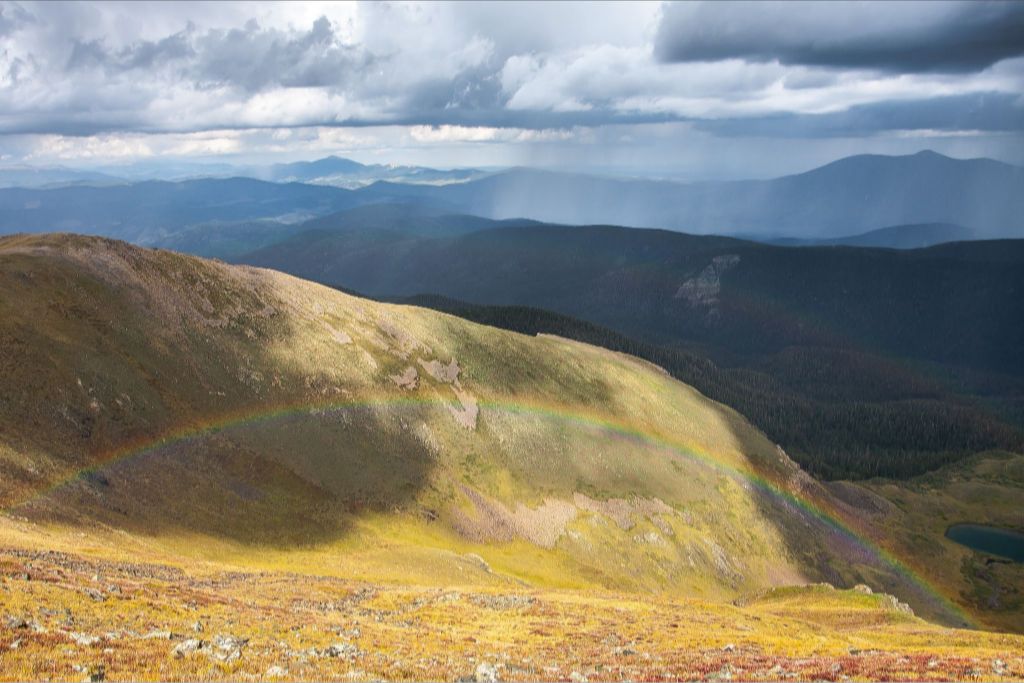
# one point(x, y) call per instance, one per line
point(173, 407)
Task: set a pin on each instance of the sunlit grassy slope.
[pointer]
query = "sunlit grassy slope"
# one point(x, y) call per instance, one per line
point(165, 408)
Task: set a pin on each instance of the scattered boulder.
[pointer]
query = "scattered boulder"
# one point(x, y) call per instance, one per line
point(577, 677)
point(158, 635)
point(730, 647)
point(275, 672)
point(503, 602)
point(485, 673)
point(84, 639)
point(228, 648)
point(893, 603)
point(12, 622)
point(187, 647)
point(345, 650)
point(863, 589)
point(724, 674)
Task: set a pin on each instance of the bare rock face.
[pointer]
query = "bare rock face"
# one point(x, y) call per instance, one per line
point(408, 380)
point(443, 373)
point(702, 290)
point(467, 411)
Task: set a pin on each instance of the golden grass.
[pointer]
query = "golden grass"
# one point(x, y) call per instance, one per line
point(70, 615)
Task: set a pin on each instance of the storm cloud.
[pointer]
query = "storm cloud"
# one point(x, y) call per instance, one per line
point(74, 74)
point(894, 36)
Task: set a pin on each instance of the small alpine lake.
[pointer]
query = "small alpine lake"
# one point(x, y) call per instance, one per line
point(993, 540)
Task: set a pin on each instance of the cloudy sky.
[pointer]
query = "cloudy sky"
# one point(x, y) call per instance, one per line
point(688, 89)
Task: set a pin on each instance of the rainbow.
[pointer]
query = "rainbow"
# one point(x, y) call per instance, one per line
point(858, 541)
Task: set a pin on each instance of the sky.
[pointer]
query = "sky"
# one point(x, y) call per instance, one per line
point(690, 90)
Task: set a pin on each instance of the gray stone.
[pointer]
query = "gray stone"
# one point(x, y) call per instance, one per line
point(84, 639)
point(187, 647)
point(228, 648)
point(485, 673)
point(13, 622)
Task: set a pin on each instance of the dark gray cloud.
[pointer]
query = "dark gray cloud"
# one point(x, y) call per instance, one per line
point(985, 112)
point(254, 58)
point(250, 58)
point(142, 55)
point(907, 37)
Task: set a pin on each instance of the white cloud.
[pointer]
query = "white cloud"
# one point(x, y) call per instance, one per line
point(447, 133)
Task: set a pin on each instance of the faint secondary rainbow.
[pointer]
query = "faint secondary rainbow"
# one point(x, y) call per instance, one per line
point(257, 415)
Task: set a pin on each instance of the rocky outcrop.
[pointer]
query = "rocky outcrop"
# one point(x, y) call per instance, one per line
point(702, 290)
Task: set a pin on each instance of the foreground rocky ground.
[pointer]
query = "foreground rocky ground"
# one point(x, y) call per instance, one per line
point(69, 617)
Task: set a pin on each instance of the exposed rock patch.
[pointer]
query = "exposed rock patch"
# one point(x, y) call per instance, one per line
point(703, 290)
point(625, 512)
point(409, 379)
point(402, 343)
point(449, 374)
point(493, 521)
point(466, 414)
point(338, 335)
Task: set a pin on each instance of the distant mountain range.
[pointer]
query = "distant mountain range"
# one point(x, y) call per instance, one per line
point(373, 222)
point(915, 236)
point(48, 176)
point(143, 212)
point(352, 174)
point(848, 197)
point(332, 170)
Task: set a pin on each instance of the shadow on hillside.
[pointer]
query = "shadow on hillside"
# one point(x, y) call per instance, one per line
point(113, 349)
point(296, 481)
point(826, 548)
